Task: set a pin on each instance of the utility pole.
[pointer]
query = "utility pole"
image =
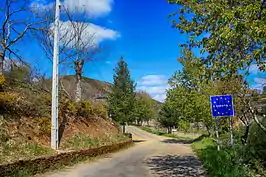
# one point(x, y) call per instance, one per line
point(54, 121)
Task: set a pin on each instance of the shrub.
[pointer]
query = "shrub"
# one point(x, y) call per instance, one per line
point(224, 163)
point(100, 110)
point(71, 108)
point(85, 108)
point(7, 102)
point(2, 80)
point(44, 124)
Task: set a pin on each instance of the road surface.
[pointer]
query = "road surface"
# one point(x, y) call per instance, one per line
point(152, 156)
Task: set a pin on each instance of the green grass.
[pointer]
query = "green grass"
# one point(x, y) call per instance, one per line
point(14, 150)
point(79, 141)
point(224, 163)
point(83, 141)
point(162, 133)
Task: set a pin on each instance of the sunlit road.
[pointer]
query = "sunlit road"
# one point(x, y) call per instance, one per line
point(151, 156)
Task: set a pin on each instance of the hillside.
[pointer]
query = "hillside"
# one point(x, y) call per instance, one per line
point(91, 88)
point(25, 122)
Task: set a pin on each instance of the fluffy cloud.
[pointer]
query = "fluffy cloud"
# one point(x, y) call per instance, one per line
point(253, 69)
point(91, 34)
point(155, 85)
point(153, 80)
point(261, 81)
point(153, 90)
point(160, 97)
point(92, 8)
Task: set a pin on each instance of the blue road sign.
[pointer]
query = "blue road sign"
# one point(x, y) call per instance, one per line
point(222, 105)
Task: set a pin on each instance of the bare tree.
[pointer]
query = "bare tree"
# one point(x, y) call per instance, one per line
point(15, 20)
point(77, 44)
point(84, 47)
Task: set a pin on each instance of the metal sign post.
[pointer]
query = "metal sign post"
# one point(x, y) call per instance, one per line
point(217, 134)
point(222, 106)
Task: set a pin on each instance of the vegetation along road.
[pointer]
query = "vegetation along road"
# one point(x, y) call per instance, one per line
point(151, 156)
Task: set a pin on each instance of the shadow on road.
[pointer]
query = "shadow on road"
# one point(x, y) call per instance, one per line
point(177, 141)
point(176, 166)
point(138, 141)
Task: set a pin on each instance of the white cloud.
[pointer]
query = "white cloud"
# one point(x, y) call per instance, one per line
point(153, 90)
point(153, 80)
point(261, 81)
point(92, 8)
point(155, 85)
point(253, 69)
point(41, 5)
point(92, 34)
point(160, 97)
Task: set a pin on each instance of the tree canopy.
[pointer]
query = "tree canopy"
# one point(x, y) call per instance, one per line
point(231, 34)
point(121, 100)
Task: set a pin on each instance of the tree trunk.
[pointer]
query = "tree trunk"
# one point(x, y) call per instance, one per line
point(124, 128)
point(245, 136)
point(138, 122)
point(256, 119)
point(169, 131)
point(2, 58)
point(78, 88)
point(78, 69)
point(208, 130)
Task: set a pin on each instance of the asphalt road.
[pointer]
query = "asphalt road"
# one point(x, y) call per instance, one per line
point(152, 156)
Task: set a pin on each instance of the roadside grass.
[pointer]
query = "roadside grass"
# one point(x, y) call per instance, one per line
point(27, 172)
point(223, 163)
point(82, 141)
point(162, 133)
point(77, 142)
point(14, 150)
point(21, 149)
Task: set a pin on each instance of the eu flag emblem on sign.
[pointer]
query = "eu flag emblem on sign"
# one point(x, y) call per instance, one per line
point(222, 106)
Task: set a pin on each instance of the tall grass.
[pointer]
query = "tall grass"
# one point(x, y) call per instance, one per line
point(224, 163)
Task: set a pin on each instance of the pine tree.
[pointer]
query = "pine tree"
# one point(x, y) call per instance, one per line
point(122, 97)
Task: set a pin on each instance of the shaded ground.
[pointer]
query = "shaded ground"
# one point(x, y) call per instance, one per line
point(152, 156)
point(174, 165)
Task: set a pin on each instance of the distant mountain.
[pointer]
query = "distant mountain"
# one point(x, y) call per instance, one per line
point(91, 88)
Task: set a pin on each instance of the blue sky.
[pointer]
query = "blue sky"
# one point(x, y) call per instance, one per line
point(143, 36)
point(138, 30)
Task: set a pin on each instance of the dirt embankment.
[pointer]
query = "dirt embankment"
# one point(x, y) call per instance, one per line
point(38, 129)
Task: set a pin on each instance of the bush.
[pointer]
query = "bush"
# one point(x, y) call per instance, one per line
point(100, 110)
point(257, 141)
point(44, 124)
point(2, 80)
point(224, 163)
point(71, 108)
point(129, 135)
point(7, 102)
point(84, 108)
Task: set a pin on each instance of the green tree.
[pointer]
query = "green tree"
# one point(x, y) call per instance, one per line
point(189, 94)
point(121, 100)
point(144, 108)
point(169, 116)
point(264, 90)
point(231, 32)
